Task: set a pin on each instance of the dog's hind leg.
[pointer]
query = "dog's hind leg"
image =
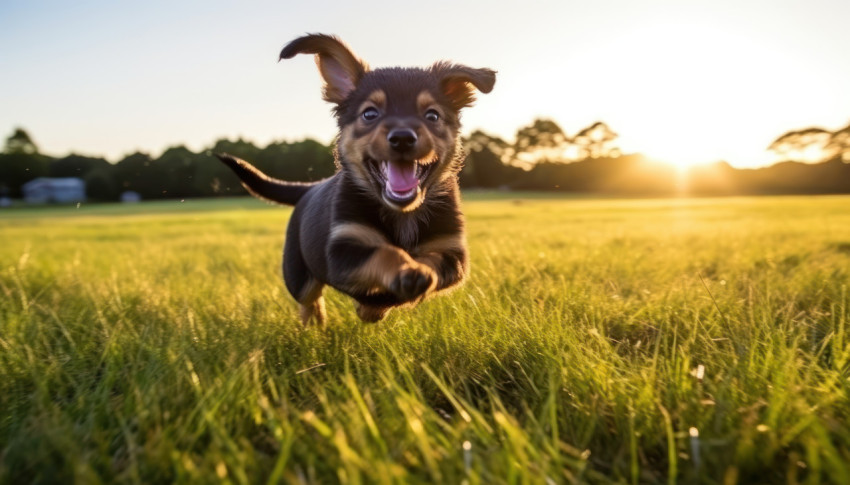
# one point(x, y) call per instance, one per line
point(302, 285)
point(307, 290)
point(312, 303)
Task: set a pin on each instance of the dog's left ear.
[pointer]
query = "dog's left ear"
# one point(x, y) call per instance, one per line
point(340, 68)
point(459, 82)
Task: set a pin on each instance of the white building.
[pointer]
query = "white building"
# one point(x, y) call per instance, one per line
point(43, 190)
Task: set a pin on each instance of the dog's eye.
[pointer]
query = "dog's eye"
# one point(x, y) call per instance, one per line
point(369, 114)
point(432, 115)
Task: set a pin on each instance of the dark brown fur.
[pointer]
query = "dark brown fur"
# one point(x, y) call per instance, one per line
point(352, 231)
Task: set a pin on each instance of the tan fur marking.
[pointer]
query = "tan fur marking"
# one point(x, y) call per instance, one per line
point(363, 144)
point(430, 253)
point(311, 291)
point(371, 314)
point(425, 100)
point(365, 234)
point(313, 312)
point(378, 98)
point(352, 150)
point(312, 303)
point(432, 260)
point(346, 138)
point(380, 270)
point(442, 244)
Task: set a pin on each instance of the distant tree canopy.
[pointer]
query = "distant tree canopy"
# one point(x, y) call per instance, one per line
point(76, 166)
point(487, 164)
point(544, 141)
point(20, 142)
point(812, 144)
point(20, 162)
point(541, 157)
point(805, 144)
point(839, 143)
point(177, 173)
point(596, 141)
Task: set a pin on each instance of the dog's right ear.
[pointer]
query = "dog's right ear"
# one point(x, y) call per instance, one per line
point(341, 70)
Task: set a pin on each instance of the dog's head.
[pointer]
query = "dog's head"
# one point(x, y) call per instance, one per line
point(398, 126)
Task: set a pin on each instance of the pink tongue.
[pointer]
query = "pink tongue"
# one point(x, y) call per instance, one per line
point(402, 178)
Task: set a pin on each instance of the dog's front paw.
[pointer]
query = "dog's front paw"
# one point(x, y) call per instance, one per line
point(413, 282)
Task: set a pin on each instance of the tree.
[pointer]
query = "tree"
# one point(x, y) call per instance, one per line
point(809, 144)
point(303, 161)
point(179, 165)
point(20, 142)
point(138, 172)
point(479, 140)
point(101, 185)
point(839, 143)
point(487, 162)
point(76, 166)
point(596, 141)
point(239, 148)
point(20, 162)
point(542, 140)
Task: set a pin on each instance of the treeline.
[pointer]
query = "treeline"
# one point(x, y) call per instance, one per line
point(177, 173)
point(541, 157)
point(636, 175)
point(544, 157)
point(180, 172)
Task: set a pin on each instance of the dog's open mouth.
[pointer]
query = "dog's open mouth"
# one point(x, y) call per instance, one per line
point(401, 180)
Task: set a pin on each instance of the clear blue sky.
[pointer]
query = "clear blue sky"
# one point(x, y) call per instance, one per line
point(695, 81)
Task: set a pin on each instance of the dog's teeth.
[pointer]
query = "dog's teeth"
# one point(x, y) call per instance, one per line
point(402, 195)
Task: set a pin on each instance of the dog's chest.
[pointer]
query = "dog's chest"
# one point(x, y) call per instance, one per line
point(406, 232)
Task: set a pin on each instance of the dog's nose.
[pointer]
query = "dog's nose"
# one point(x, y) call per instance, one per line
point(402, 140)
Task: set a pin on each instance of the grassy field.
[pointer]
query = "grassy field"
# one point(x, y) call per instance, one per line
point(632, 341)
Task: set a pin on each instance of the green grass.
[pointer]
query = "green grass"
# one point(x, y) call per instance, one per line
point(156, 343)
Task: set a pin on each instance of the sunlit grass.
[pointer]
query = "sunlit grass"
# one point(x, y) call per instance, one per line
point(161, 346)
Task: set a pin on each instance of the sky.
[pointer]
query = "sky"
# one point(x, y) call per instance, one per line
point(682, 81)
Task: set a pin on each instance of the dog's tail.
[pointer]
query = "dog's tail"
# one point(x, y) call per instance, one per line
point(263, 186)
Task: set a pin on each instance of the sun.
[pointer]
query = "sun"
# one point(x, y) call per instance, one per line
point(681, 152)
point(688, 143)
point(679, 158)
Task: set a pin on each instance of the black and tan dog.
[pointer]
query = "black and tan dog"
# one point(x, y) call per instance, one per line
point(386, 229)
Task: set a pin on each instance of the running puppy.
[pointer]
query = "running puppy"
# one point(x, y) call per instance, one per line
point(386, 229)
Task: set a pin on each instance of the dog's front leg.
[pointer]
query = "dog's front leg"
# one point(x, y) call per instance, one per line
point(362, 262)
point(447, 256)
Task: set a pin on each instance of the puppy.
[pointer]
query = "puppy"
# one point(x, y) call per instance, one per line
point(386, 229)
